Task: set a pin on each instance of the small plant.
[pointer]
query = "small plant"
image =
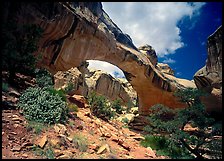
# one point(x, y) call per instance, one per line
point(72, 107)
point(39, 105)
point(116, 104)
point(36, 126)
point(155, 142)
point(5, 87)
point(125, 120)
point(129, 105)
point(99, 106)
point(71, 123)
point(37, 150)
point(80, 142)
point(44, 78)
point(70, 87)
point(55, 92)
point(50, 153)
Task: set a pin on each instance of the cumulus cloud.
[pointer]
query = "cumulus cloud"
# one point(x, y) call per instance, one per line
point(107, 67)
point(169, 61)
point(153, 23)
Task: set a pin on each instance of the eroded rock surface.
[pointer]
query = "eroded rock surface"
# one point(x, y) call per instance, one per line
point(79, 31)
point(209, 78)
point(98, 81)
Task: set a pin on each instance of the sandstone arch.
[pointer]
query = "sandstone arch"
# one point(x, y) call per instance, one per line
point(75, 32)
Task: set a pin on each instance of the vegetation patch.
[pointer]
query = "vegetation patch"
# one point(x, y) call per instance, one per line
point(5, 87)
point(100, 107)
point(39, 105)
point(80, 142)
point(177, 142)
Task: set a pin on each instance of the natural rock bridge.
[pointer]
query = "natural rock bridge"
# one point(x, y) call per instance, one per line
point(75, 32)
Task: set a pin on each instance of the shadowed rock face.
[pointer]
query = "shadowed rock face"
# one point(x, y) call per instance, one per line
point(78, 31)
point(209, 78)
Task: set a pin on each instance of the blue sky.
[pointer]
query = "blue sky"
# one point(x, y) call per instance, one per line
point(178, 31)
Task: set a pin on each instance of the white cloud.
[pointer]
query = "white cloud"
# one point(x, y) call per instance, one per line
point(153, 23)
point(106, 67)
point(169, 61)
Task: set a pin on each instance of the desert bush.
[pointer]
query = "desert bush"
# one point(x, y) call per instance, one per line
point(100, 107)
point(43, 78)
point(37, 104)
point(19, 43)
point(125, 120)
point(80, 142)
point(72, 107)
point(45, 153)
point(116, 104)
point(55, 92)
point(69, 87)
point(5, 87)
point(36, 126)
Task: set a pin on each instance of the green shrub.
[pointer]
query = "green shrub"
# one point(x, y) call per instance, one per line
point(55, 92)
point(44, 78)
point(19, 43)
point(39, 105)
point(155, 142)
point(36, 126)
point(5, 87)
point(116, 104)
point(125, 120)
point(80, 142)
point(46, 154)
point(69, 88)
point(99, 106)
point(72, 107)
point(50, 153)
point(170, 123)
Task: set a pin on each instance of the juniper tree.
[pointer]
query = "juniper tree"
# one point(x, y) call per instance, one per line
point(170, 124)
point(19, 42)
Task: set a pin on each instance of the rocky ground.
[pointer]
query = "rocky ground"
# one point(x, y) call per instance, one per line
point(94, 138)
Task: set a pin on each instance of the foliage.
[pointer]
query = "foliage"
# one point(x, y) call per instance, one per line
point(125, 120)
point(99, 106)
point(55, 92)
point(69, 88)
point(72, 107)
point(116, 104)
point(170, 124)
point(80, 142)
point(48, 153)
point(5, 87)
point(39, 105)
point(129, 106)
point(36, 126)
point(43, 78)
point(19, 44)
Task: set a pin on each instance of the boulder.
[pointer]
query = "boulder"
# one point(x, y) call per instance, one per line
point(79, 100)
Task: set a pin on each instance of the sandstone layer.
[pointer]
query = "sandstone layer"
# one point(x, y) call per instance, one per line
point(97, 81)
point(209, 77)
point(79, 31)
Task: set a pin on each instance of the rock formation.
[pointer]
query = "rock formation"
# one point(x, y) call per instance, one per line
point(209, 78)
point(95, 80)
point(79, 31)
point(165, 68)
point(150, 53)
